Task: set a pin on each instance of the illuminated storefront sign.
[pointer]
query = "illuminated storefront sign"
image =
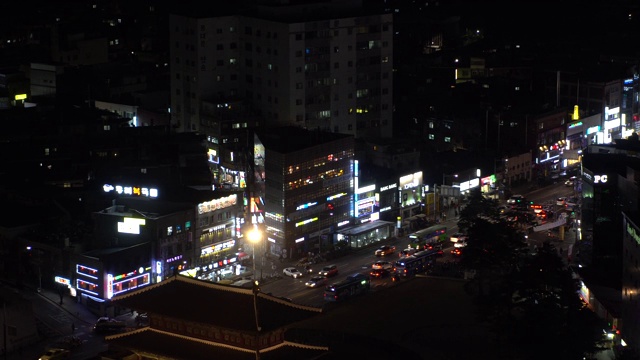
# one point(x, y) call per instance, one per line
point(600, 179)
point(336, 196)
point(128, 284)
point(411, 181)
point(307, 205)
point(633, 233)
point(87, 287)
point(87, 271)
point(130, 225)
point(175, 258)
point(365, 189)
point(215, 248)
point(593, 129)
point(63, 281)
point(305, 222)
point(365, 206)
point(388, 187)
point(611, 124)
point(217, 204)
point(131, 190)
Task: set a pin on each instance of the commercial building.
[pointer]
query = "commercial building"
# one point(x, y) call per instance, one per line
point(308, 187)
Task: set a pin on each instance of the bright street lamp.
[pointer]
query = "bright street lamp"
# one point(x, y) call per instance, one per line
point(254, 235)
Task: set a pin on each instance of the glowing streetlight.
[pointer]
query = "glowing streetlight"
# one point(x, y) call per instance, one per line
point(254, 235)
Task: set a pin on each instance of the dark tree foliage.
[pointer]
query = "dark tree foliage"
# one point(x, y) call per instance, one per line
point(477, 207)
point(546, 309)
point(532, 302)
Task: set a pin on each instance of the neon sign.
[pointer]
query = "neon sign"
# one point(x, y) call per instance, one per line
point(217, 204)
point(131, 190)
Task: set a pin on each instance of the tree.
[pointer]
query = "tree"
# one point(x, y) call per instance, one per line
point(546, 309)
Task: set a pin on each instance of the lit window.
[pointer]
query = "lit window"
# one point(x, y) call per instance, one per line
point(169, 230)
point(431, 137)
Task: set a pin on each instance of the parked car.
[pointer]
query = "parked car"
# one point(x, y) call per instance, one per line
point(382, 265)
point(55, 354)
point(291, 271)
point(385, 250)
point(316, 281)
point(106, 324)
point(329, 271)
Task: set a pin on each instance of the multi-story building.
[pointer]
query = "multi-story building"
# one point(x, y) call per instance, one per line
point(308, 187)
point(609, 249)
point(315, 65)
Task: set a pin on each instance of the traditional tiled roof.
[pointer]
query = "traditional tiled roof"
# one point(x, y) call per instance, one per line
point(225, 306)
point(151, 341)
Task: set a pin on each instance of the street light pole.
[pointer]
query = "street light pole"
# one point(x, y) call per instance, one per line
point(254, 237)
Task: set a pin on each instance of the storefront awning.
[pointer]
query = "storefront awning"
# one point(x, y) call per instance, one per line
point(365, 227)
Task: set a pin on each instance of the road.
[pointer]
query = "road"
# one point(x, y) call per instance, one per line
point(360, 261)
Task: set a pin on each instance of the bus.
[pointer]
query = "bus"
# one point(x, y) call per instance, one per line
point(417, 263)
point(430, 235)
point(353, 285)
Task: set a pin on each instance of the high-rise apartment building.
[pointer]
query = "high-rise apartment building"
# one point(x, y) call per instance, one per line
point(318, 65)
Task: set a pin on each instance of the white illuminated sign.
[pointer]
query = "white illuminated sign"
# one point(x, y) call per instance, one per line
point(130, 226)
point(365, 189)
point(217, 204)
point(599, 179)
point(388, 187)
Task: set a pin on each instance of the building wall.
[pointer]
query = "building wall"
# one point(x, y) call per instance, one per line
point(299, 187)
point(297, 73)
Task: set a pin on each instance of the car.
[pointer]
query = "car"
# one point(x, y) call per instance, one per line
point(457, 236)
point(106, 324)
point(382, 265)
point(515, 199)
point(316, 281)
point(329, 271)
point(568, 182)
point(379, 273)
point(460, 244)
point(407, 252)
point(385, 250)
point(432, 246)
point(456, 252)
point(561, 201)
point(54, 354)
point(291, 271)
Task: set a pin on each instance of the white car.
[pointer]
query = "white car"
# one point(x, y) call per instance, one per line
point(561, 201)
point(460, 244)
point(457, 237)
point(316, 281)
point(293, 272)
point(382, 265)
